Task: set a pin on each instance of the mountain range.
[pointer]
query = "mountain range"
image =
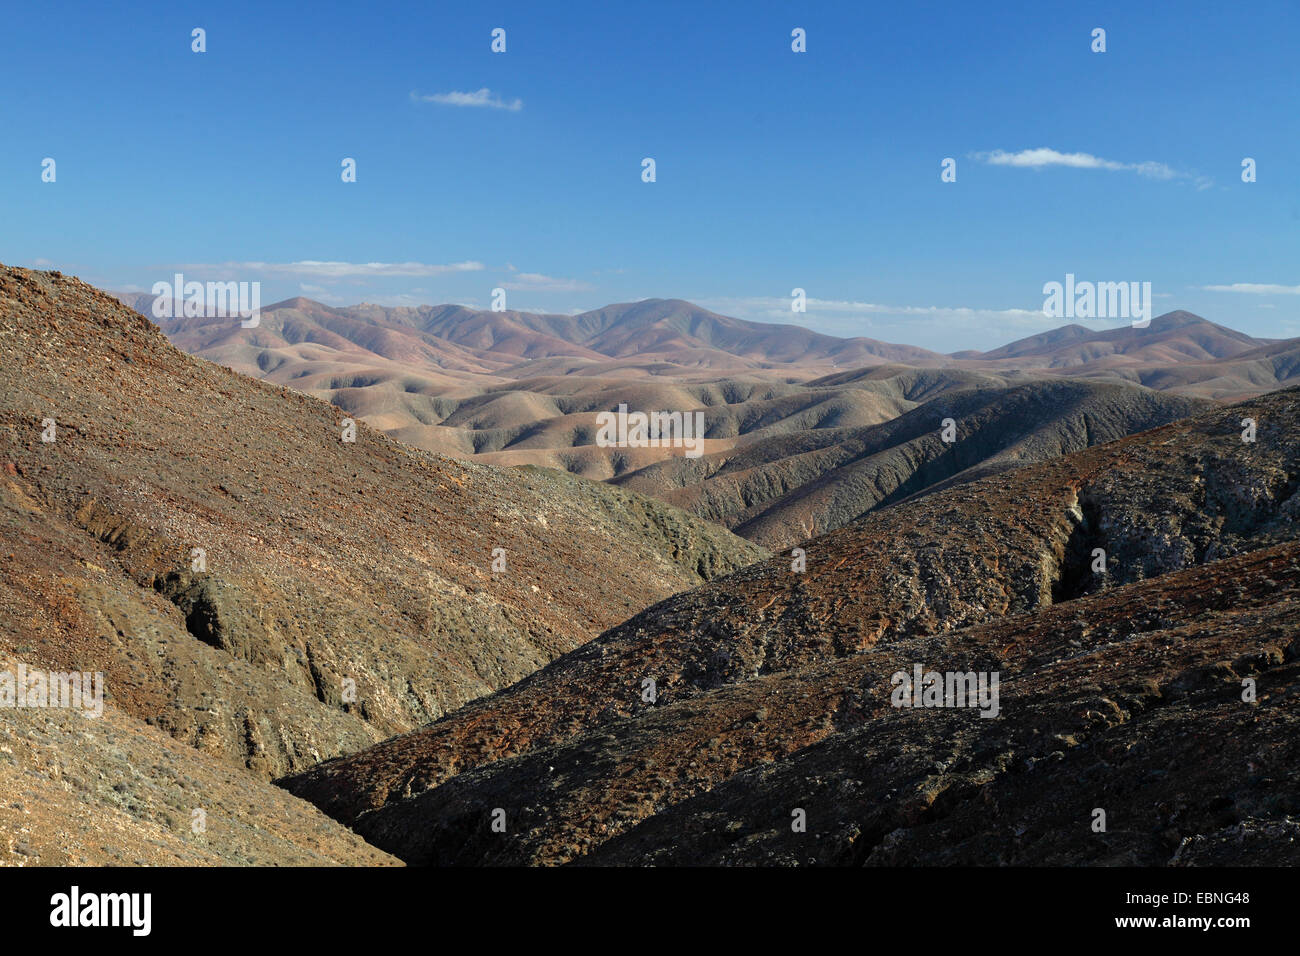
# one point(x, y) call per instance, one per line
point(303, 340)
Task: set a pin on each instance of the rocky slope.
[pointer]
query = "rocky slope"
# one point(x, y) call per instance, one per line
point(112, 791)
point(1129, 703)
point(262, 589)
point(764, 666)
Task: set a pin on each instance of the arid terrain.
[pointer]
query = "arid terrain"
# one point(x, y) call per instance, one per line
point(364, 591)
point(803, 432)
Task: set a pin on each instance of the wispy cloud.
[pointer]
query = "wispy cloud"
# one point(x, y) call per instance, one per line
point(1043, 157)
point(483, 98)
point(320, 293)
point(536, 282)
point(312, 268)
point(1255, 288)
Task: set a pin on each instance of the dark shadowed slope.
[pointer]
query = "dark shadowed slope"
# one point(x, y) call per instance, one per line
point(1130, 703)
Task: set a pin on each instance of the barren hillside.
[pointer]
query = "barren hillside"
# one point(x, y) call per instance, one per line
point(998, 574)
point(261, 588)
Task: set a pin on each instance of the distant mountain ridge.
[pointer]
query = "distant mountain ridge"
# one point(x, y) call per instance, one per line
point(655, 324)
point(446, 344)
point(1179, 334)
point(668, 327)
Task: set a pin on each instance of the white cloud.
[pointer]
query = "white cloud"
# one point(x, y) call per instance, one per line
point(536, 282)
point(312, 268)
point(1038, 158)
point(1255, 288)
point(1043, 157)
point(482, 98)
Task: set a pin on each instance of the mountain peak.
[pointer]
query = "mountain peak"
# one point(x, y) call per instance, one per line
point(1177, 319)
point(299, 303)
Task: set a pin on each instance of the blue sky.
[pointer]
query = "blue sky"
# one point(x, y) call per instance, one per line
point(775, 169)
